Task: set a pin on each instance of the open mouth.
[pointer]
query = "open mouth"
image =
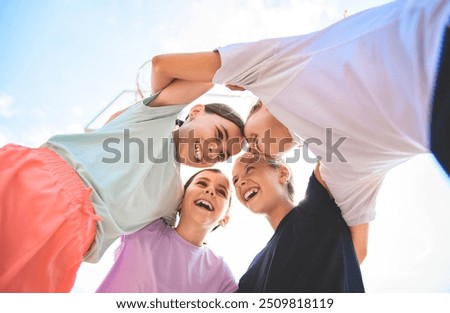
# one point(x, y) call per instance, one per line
point(204, 204)
point(249, 194)
point(197, 152)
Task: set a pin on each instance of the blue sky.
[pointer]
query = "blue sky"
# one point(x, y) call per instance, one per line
point(62, 62)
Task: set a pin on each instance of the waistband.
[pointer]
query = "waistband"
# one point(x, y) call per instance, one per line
point(63, 172)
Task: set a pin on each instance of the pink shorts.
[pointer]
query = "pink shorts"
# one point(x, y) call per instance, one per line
point(47, 222)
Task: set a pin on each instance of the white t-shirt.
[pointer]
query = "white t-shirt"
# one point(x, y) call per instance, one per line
point(157, 259)
point(369, 78)
point(130, 165)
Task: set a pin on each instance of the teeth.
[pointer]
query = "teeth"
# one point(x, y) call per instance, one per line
point(250, 193)
point(205, 204)
point(197, 153)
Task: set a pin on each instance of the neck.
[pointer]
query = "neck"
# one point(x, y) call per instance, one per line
point(195, 235)
point(279, 212)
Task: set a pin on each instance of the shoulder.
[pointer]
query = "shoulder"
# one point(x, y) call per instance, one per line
point(142, 111)
point(150, 230)
point(146, 106)
point(317, 192)
point(317, 204)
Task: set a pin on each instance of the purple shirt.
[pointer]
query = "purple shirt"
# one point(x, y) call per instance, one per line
point(157, 259)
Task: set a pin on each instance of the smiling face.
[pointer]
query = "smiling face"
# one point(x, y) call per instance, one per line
point(266, 134)
point(206, 199)
point(259, 186)
point(205, 139)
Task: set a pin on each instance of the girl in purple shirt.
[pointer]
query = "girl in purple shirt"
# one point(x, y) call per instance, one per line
point(161, 258)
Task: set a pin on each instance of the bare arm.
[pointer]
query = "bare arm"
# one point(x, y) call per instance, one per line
point(360, 237)
point(181, 77)
point(181, 92)
point(360, 233)
point(178, 92)
point(195, 67)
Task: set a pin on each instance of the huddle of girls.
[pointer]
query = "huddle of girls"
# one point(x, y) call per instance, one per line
point(72, 206)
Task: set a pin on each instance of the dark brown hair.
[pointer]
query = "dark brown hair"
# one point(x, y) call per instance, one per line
point(227, 113)
point(223, 111)
point(254, 109)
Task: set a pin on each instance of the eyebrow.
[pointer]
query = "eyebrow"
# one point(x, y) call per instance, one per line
point(226, 141)
point(224, 133)
point(225, 189)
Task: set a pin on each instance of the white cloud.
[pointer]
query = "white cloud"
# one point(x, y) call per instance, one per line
point(6, 105)
point(206, 24)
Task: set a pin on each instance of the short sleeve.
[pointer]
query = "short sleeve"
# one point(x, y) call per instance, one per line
point(355, 195)
point(142, 112)
point(263, 67)
point(229, 283)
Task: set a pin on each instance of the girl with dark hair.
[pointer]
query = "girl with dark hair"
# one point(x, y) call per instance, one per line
point(161, 258)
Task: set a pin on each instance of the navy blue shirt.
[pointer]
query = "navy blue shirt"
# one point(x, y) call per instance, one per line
point(310, 251)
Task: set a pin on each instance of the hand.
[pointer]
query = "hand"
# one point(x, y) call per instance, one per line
point(234, 87)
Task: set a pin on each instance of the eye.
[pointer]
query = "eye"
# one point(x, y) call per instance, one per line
point(235, 180)
point(222, 193)
point(202, 183)
point(219, 135)
point(249, 169)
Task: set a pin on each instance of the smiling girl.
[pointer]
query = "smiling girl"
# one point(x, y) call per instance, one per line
point(311, 249)
point(160, 258)
point(72, 198)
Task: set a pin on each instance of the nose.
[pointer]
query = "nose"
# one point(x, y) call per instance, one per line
point(215, 150)
point(209, 191)
point(241, 182)
point(253, 147)
point(215, 145)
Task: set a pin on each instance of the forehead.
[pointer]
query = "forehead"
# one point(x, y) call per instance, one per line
point(246, 160)
point(255, 121)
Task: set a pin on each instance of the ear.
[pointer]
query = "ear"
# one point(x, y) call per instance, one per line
point(283, 174)
point(223, 222)
point(195, 110)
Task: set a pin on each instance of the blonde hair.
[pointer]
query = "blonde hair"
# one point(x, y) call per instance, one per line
point(275, 163)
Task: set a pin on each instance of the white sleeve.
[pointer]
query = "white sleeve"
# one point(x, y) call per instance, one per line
point(260, 67)
point(355, 196)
